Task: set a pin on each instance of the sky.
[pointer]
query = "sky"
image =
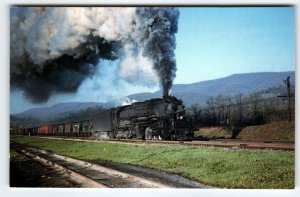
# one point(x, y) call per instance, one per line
point(211, 43)
point(217, 42)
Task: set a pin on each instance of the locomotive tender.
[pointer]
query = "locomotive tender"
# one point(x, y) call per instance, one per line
point(159, 118)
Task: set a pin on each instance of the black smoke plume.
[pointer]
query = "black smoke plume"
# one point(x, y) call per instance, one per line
point(160, 28)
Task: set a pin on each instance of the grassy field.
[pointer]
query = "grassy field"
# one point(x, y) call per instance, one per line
point(212, 166)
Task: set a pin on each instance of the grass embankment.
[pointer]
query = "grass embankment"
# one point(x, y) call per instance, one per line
point(213, 166)
point(275, 131)
point(213, 132)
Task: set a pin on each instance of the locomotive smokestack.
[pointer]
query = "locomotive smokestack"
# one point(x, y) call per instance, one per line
point(165, 92)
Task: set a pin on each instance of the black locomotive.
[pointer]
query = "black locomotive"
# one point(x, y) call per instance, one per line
point(160, 118)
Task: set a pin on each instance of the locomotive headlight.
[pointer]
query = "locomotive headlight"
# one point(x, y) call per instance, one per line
point(180, 117)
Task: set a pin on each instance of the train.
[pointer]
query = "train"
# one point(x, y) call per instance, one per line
point(154, 119)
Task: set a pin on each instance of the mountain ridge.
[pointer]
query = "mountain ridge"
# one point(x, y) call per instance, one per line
point(193, 93)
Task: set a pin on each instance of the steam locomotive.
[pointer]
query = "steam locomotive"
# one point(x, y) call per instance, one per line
point(155, 119)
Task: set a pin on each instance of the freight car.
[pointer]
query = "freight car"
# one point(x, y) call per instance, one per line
point(77, 129)
point(160, 118)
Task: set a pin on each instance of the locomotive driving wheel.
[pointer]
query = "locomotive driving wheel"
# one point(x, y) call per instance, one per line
point(148, 133)
point(140, 132)
point(173, 137)
point(165, 134)
point(111, 134)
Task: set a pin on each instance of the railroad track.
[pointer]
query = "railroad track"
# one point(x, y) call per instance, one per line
point(90, 175)
point(218, 143)
point(224, 143)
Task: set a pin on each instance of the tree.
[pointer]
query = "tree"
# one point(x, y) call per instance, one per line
point(223, 105)
point(288, 87)
point(238, 101)
point(254, 112)
point(195, 111)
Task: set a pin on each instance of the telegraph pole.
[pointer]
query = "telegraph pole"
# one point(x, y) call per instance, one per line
point(288, 87)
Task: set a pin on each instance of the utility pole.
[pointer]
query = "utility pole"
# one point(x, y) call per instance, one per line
point(288, 87)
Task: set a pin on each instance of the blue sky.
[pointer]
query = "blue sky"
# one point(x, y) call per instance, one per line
point(211, 43)
point(217, 42)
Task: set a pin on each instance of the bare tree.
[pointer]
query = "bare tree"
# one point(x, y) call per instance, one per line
point(223, 106)
point(288, 87)
point(253, 107)
point(229, 105)
point(211, 110)
point(220, 105)
point(195, 112)
point(239, 108)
